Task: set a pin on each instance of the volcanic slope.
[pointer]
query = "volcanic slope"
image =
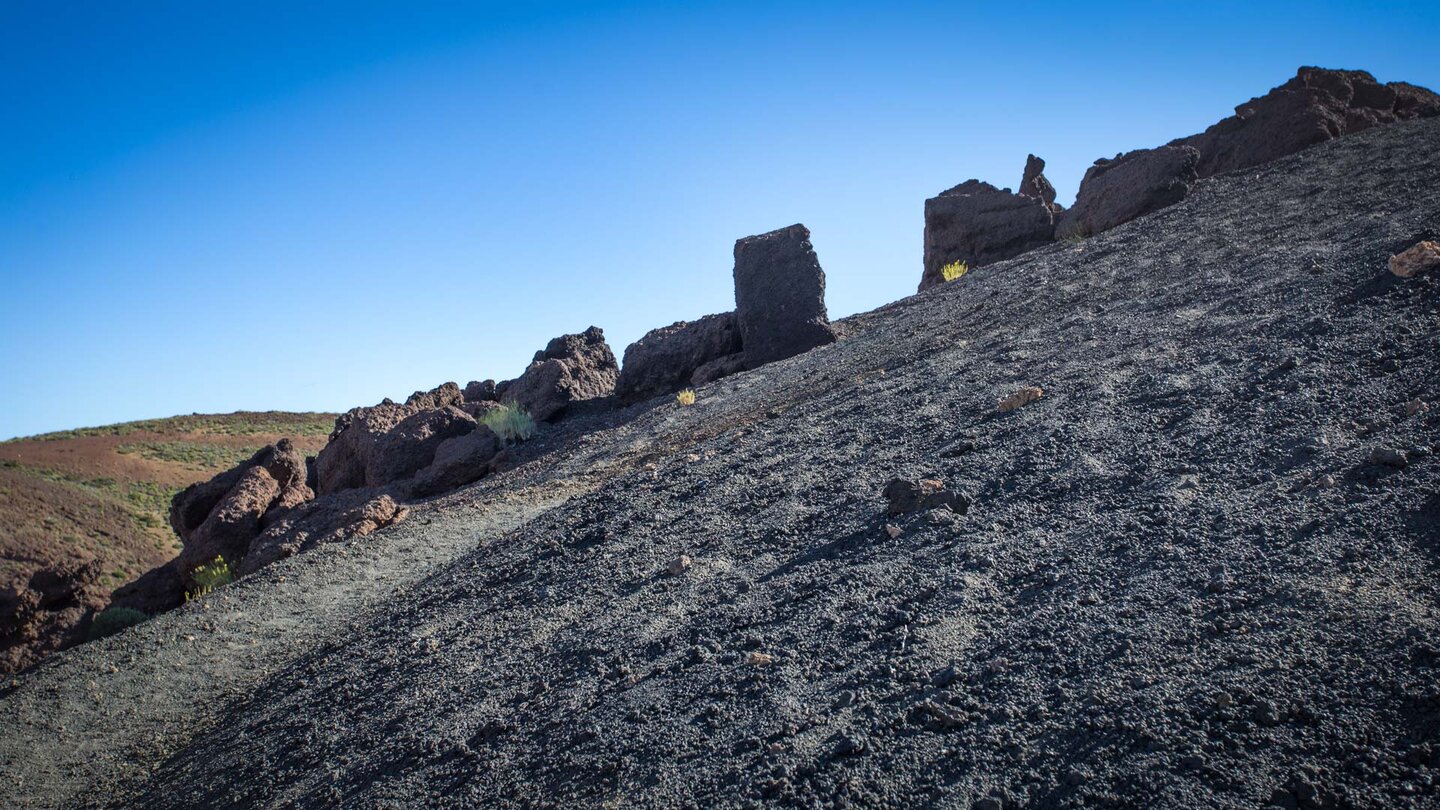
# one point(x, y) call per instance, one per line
point(1182, 582)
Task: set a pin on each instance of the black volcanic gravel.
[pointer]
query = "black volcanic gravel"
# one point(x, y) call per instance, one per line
point(1183, 581)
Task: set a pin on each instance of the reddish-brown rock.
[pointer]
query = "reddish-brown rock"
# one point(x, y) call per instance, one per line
point(665, 359)
point(48, 613)
point(1315, 106)
point(219, 517)
point(458, 461)
point(572, 368)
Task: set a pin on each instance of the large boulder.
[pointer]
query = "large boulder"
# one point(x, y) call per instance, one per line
point(328, 519)
point(219, 517)
point(459, 460)
point(341, 463)
point(410, 446)
point(779, 296)
point(572, 368)
point(1131, 185)
point(665, 359)
point(978, 224)
point(1315, 106)
point(362, 451)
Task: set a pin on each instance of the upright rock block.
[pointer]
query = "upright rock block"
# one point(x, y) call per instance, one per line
point(779, 296)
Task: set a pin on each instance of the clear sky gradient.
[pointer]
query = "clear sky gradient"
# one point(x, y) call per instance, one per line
point(212, 206)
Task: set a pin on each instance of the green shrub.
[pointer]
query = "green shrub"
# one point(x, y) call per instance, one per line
point(510, 422)
point(209, 576)
point(112, 620)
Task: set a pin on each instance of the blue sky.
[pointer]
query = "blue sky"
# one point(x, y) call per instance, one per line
point(215, 206)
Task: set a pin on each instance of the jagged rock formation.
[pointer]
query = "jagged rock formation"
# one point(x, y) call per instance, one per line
point(1315, 106)
point(481, 391)
point(1034, 184)
point(665, 360)
point(779, 296)
point(978, 224)
point(572, 368)
point(1132, 185)
point(219, 517)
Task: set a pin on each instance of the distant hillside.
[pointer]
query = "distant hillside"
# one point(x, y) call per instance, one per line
point(100, 494)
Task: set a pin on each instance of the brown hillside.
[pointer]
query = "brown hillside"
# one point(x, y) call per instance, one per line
point(95, 499)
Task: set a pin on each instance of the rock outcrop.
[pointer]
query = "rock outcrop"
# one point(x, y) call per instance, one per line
point(978, 224)
point(1034, 184)
point(221, 516)
point(446, 394)
point(1131, 185)
point(572, 368)
point(382, 444)
point(458, 461)
point(779, 296)
point(1315, 106)
point(410, 446)
point(665, 360)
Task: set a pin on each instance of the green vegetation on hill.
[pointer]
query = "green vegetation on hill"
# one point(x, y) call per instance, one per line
point(240, 423)
point(194, 455)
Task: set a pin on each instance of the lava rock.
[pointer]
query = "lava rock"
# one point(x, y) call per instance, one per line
point(1315, 106)
point(328, 519)
point(411, 445)
point(779, 296)
point(444, 395)
point(481, 391)
point(717, 368)
point(665, 360)
point(459, 460)
point(1131, 185)
point(979, 224)
point(1034, 184)
point(219, 517)
point(571, 368)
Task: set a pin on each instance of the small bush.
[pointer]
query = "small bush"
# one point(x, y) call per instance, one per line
point(686, 398)
point(954, 270)
point(210, 576)
point(112, 620)
point(510, 422)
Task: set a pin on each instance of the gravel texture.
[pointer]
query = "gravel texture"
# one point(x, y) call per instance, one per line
point(1188, 578)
